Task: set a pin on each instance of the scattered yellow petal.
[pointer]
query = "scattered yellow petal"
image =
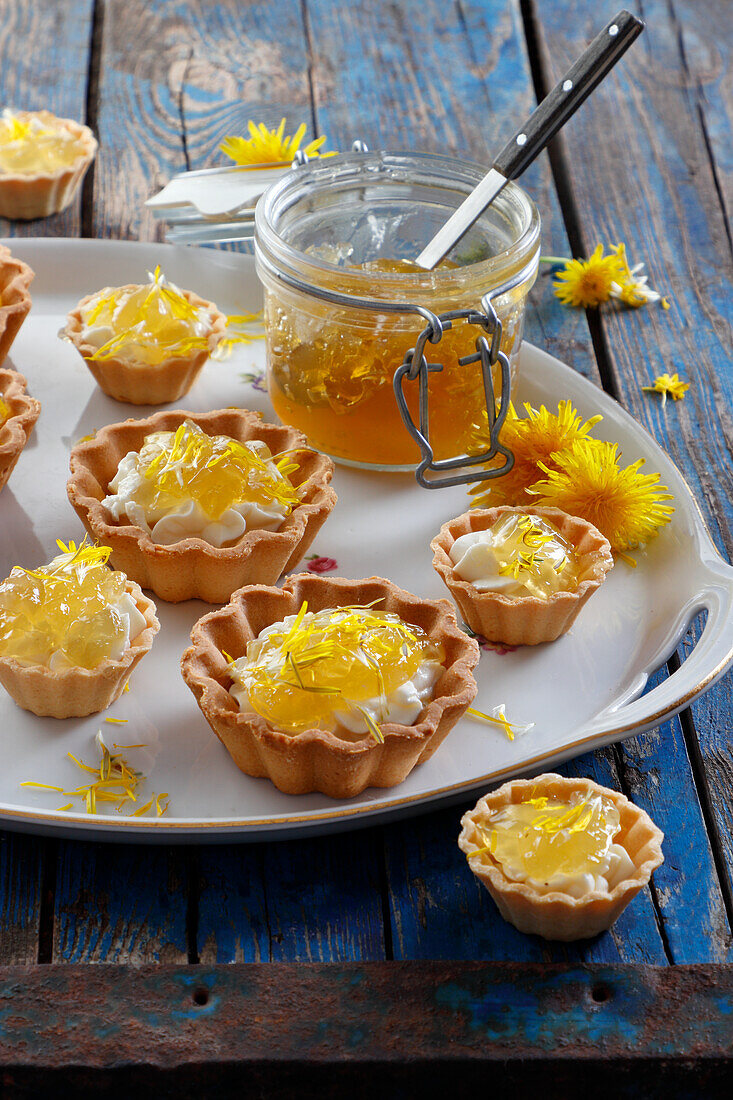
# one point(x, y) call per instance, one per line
point(265, 146)
point(498, 717)
point(116, 721)
point(669, 385)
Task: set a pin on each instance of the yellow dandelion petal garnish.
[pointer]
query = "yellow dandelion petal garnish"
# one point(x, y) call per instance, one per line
point(497, 717)
point(532, 439)
point(669, 385)
point(625, 505)
point(265, 146)
point(588, 282)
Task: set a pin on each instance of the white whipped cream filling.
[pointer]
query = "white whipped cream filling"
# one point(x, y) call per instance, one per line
point(403, 705)
point(474, 561)
point(613, 868)
point(188, 519)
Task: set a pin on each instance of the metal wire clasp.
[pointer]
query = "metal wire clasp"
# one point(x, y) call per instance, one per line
point(416, 367)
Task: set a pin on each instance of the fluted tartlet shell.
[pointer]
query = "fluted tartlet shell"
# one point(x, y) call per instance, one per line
point(140, 383)
point(76, 692)
point(24, 197)
point(14, 432)
point(192, 568)
point(557, 916)
point(523, 620)
point(15, 299)
point(317, 760)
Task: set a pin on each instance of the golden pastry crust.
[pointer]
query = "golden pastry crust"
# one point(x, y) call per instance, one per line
point(318, 760)
point(15, 300)
point(14, 432)
point(557, 916)
point(192, 568)
point(523, 620)
point(24, 197)
point(140, 383)
point(76, 692)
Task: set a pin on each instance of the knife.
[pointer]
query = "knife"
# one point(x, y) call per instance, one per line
point(542, 125)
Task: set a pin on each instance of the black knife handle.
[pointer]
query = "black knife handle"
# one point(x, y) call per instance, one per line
point(565, 98)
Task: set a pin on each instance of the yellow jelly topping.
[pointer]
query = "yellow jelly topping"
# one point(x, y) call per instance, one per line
point(533, 552)
point(29, 144)
point(4, 410)
point(543, 837)
point(151, 323)
point(67, 607)
point(214, 470)
point(300, 673)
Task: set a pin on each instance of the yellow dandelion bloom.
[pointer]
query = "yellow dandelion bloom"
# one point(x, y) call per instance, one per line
point(265, 146)
point(668, 385)
point(588, 282)
point(532, 439)
point(631, 287)
point(625, 505)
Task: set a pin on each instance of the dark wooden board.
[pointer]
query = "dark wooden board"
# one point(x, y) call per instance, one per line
point(392, 1029)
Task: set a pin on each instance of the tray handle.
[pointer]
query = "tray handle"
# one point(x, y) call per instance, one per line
point(709, 660)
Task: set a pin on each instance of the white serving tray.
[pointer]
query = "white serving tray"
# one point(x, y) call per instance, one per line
point(582, 691)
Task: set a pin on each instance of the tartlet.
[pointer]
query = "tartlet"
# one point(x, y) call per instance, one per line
point(523, 620)
point(556, 915)
point(24, 196)
point(136, 382)
point(77, 692)
point(16, 429)
point(192, 568)
point(15, 300)
point(317, 759)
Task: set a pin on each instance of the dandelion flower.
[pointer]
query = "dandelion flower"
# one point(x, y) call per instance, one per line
point(668, 385)
point(265, 146)
point(631, 287)
point(588, 282)
point(625, 505)
point(532, 439)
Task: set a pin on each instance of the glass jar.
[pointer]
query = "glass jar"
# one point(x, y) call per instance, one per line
point(336, 225)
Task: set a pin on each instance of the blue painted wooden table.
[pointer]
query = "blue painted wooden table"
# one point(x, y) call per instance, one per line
point(646, 161)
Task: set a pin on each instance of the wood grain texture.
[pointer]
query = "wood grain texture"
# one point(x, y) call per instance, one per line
point(21, 865)
point(121, 904)
point(642, 168)
point(45, 51)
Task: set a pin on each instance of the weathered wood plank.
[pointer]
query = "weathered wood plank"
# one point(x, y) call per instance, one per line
point(21, 873)
point(392, 1029)
point(642, 168)
point(45, 50)
point(121, 904)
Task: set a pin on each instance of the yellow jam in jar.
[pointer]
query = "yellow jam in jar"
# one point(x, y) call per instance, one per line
point(317, 669)
point(543, 838)
point(519, 555)
point(146, 324)
point(70, 607)
point(36, 143)
point(215, 471)
point(332, 378)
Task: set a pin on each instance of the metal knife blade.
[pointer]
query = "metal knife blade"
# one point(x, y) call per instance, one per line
point(462, 219)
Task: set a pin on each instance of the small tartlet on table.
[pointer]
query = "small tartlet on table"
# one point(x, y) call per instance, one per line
point(556, 915)
point(16, 429)
point(192, 568)
point(523, 620)
point(25, 196)
point(317, 759)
